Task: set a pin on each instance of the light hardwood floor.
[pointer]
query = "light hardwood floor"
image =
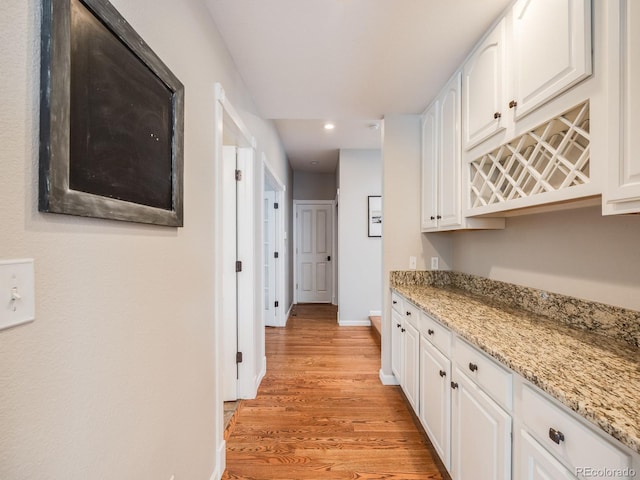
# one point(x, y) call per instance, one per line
point(322, 413)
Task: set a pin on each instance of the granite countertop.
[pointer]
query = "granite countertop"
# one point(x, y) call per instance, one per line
point(596, 376)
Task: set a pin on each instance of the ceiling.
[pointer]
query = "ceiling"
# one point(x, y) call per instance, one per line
point(350, 62)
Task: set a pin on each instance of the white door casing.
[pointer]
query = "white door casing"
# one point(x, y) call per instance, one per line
point(229, 283)
point(314, 245)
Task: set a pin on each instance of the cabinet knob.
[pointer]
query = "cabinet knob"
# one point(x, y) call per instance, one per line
point(394, 302)
point(430, 332)
point(556, 435)
point(403, 330)
point(439, 217)
point(513, 104)
point(454, 385)
point(408, 314)
point(473, 367)
point(397, 325)
point(443, 373)
point(432, 217)
point(497, 115)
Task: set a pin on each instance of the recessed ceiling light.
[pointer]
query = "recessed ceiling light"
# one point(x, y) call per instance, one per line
point(329, 126)
point(314, 162)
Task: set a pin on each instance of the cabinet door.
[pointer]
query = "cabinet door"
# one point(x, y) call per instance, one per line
point(551, 49)
point(535, 463)
point(623, 183)
point(483, 89)
point(481, 437)
point(430, 168)
point(396, 345)
point(435, 399)
point(411, 366)
point(449, 164)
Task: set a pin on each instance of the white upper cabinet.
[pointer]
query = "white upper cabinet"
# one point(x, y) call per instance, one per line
point(430, 143)
point(483, 80)
point(450, 162)
point(551, 49)
point(622, 191)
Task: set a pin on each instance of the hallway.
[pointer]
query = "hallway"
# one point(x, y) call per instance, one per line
point(322, 413)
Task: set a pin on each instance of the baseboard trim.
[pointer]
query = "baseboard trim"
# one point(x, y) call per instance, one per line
point(375, 313)
point(354, 323)
point(388, 379)
point(221, 461)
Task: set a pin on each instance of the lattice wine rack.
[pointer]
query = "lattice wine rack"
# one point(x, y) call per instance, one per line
point(551, 157)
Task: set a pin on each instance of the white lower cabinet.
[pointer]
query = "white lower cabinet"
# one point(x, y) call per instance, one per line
point(534, 463)
point(481, 433)
point(397, 359)
point(411, 363)
point(435, 399)
point(482, 417)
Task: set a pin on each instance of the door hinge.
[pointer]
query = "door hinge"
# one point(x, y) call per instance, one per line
point(276, 255)
point(276, 206)
point(277, 304)
point(238, 357)
point(238, 266)
point(238, 175)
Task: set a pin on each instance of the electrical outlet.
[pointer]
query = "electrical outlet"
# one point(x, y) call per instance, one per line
point(412, 263)
point(434, 263)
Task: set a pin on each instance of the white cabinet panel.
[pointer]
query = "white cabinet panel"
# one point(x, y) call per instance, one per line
point(481, 447)
point(622, 193)
point(450, 161)
point(551, 49)
point(411, 366)
point(535, 463)
point(483, 80)
point(435, 399)
point(397, 359)
point(430, 155)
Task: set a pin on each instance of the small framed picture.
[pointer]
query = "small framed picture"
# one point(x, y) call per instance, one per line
point(375, 215)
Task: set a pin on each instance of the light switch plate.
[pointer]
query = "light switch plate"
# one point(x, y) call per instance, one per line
point(412, 263)
point(17, 292)
point(434, 263)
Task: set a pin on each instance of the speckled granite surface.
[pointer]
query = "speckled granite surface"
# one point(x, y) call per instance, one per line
point(595, 375)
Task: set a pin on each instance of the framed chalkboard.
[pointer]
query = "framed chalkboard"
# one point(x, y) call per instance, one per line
point(111, 119)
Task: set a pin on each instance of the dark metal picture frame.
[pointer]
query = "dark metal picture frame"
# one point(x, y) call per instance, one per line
point(59, 155)
point(374, 215)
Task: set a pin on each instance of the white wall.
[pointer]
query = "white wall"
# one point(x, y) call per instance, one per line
point(359, 274)
point(115, 378)
point(314, 186)
point(401, 235)
point(578, 253)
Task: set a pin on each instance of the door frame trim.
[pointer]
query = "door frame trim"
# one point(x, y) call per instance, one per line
point(334, 264)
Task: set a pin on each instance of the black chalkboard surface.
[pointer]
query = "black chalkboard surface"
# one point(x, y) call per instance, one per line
point(111, 119)
point(120, 123)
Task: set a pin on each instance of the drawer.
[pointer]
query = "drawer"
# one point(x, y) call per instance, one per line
point(493, 378)
point(581, 449)
point(411, 314)
point(436, 333)
point(396, 302)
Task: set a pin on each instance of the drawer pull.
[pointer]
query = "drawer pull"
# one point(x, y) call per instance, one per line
point(395, 302)
point(497, 115)
point(473, 367)
point(556, 435)
point(443, 373)
point(454, 385)
point(430, 332)
point(398, 325)
point(403, 330)
point(408, 314)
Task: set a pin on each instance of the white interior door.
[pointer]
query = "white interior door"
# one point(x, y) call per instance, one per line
point(271, 257)
point(314, 242)
point(229, 275)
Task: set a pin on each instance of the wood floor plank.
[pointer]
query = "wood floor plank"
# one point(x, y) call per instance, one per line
point(322, 413)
